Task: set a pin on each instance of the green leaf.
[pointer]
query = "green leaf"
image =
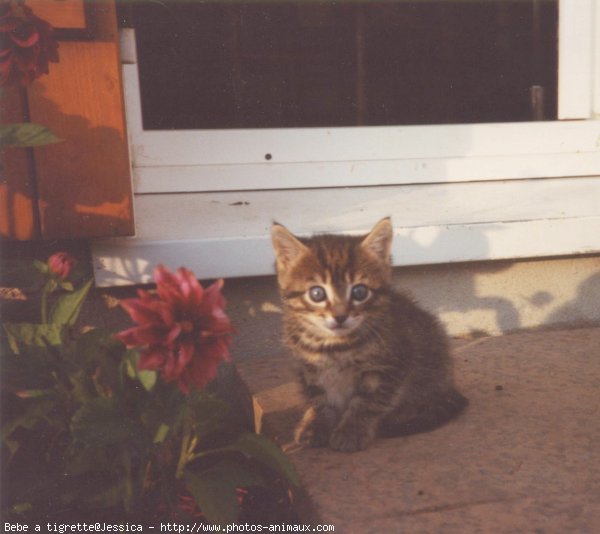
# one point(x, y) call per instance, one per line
point(264, 451)
point(95, 345)
point(26, 134)
point(12, 445)
point(67, 286)
point(145, 377)
point(66, 308)
point(214, 489)
point(101, 422)
point(26, 414)
point(41, 266)
point(161, 433)
point(51, 286)
point(130, 368)
point(210, 414)
point(93, 364)
point(32, 334)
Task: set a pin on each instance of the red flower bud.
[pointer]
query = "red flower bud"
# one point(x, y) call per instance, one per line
point(61, 264)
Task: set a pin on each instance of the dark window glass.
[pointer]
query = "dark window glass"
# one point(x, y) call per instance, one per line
point(303, 64)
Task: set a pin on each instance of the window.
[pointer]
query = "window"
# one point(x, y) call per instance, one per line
point(309, 64)
point(441, 134)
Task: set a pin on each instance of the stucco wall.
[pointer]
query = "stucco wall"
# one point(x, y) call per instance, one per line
point(497, 297)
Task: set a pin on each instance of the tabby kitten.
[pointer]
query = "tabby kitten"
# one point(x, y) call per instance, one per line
point(371, 361)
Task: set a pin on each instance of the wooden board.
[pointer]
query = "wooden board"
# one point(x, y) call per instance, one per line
point(227, 234)
point(62, 14)
point(17, 198)
point(84, 183)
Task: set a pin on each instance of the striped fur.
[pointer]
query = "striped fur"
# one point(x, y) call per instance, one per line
point(371, 361)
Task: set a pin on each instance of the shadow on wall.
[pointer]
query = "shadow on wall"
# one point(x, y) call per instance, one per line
point(500, 297)
point(584, 308)
point(451, 290)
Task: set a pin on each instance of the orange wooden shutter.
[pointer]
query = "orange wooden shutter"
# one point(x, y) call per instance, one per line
point(62, 14)
point(83, 184)
point(18, 209)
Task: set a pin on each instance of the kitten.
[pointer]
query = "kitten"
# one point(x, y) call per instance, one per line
point(372, 362)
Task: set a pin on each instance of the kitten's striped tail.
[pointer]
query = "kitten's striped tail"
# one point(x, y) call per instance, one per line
point(437, 412)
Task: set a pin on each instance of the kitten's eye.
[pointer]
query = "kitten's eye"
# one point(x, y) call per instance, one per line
point(317, 294)
point(359, 292)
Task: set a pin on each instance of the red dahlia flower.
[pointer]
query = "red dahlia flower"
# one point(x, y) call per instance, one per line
point(27, 44)
point(61, 264)
point(183, 330)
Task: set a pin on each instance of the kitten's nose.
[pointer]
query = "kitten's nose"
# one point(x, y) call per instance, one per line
point(340, 319)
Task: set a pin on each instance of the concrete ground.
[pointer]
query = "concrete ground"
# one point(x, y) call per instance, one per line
point(524, 457)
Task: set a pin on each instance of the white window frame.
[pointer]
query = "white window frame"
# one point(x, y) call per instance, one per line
point(211, 162)
point(221, 160)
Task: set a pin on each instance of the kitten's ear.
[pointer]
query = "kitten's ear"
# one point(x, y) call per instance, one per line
point(288, 248)
point(379, 240)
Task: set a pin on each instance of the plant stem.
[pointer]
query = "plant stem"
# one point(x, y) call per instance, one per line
point(191, 447)
point(186, 454)
point(202, 454)
point(183, 454)
point(128, 497)
point(44, 307)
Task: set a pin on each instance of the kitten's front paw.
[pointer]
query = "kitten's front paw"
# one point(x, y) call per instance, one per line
point(350, 438)
point(311, 435)
point(315, 428)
